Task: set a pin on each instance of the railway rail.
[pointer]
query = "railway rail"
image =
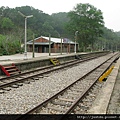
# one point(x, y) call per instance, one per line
point(73, 98)
point(17, 80)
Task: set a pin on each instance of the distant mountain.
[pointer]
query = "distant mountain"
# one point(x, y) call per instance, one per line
point(40, 24)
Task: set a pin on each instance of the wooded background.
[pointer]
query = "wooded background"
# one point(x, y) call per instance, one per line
point(84, 18)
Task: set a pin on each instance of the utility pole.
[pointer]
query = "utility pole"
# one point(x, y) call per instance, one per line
point(61, 45)
point(75, 40)
point(33, 46)
point(26, 17)
point(49, 45)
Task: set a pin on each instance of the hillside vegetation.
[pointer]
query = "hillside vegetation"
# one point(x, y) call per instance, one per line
point(12, 26)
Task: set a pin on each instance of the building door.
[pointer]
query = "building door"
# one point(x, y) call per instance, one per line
point(36, 49)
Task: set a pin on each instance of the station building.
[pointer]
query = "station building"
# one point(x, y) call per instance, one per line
point(41, 45)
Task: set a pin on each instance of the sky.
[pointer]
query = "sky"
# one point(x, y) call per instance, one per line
point(109, 8)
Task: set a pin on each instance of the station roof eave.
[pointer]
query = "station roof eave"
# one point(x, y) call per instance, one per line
point(58, 40)
point(52, 40)
point(40, 43)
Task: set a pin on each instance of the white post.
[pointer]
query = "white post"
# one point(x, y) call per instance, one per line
point(25, 52)
point(33, 46)
point(75, 45)
point(61, 45)
point(49, 45)
point(75, 40)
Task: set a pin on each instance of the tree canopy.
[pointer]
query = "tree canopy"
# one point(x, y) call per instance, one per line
point(88, 21)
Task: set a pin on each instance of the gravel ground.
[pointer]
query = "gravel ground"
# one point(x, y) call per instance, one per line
point(22, 99)
point(114, 105)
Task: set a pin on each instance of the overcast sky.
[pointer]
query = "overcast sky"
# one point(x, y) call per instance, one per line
point(110, 8)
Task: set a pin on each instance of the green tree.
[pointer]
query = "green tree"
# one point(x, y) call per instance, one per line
point(60, 19)
point(86, 19)
point(9, 44)
point(112, 39)
point(6, 24)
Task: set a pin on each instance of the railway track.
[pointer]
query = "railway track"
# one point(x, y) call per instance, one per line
point(26, 77)
point(73, 99)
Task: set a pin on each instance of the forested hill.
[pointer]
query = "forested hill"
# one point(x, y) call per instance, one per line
point(40, 24)
point(12, 27)
point(118, 33)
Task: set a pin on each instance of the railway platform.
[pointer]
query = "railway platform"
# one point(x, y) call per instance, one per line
point(108, 100)
point(8, 59)
point(40, 59)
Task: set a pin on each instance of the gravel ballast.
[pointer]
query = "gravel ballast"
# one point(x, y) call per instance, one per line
point(22, 99)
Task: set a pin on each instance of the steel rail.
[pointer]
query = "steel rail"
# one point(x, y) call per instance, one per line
point(62, 91)
point(51, 66)
point(3, 85)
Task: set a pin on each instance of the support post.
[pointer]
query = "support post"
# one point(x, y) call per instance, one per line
point(49, 45)
point(75, 40)
point(25, 52)
point(61, 46)
point(33, 46)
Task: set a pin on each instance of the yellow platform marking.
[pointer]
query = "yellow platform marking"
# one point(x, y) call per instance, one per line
point(106, 74)
point(55, 61)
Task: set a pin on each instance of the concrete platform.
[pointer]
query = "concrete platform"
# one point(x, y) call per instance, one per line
point(101, 103)
point(8, 59)
point(40, 60)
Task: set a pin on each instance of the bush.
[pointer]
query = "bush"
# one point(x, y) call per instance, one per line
point(5, 53)
point(1, 54)
point(9, 44)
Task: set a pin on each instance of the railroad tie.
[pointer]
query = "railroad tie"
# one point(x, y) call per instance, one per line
point(57, 109)
point(14, 86)
point(6, 89)
point(61, 103)
point(19, 84)
point(74, 89)
point(1, 83)
point(74, 93)
point(67, 100)
point(1, 91)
